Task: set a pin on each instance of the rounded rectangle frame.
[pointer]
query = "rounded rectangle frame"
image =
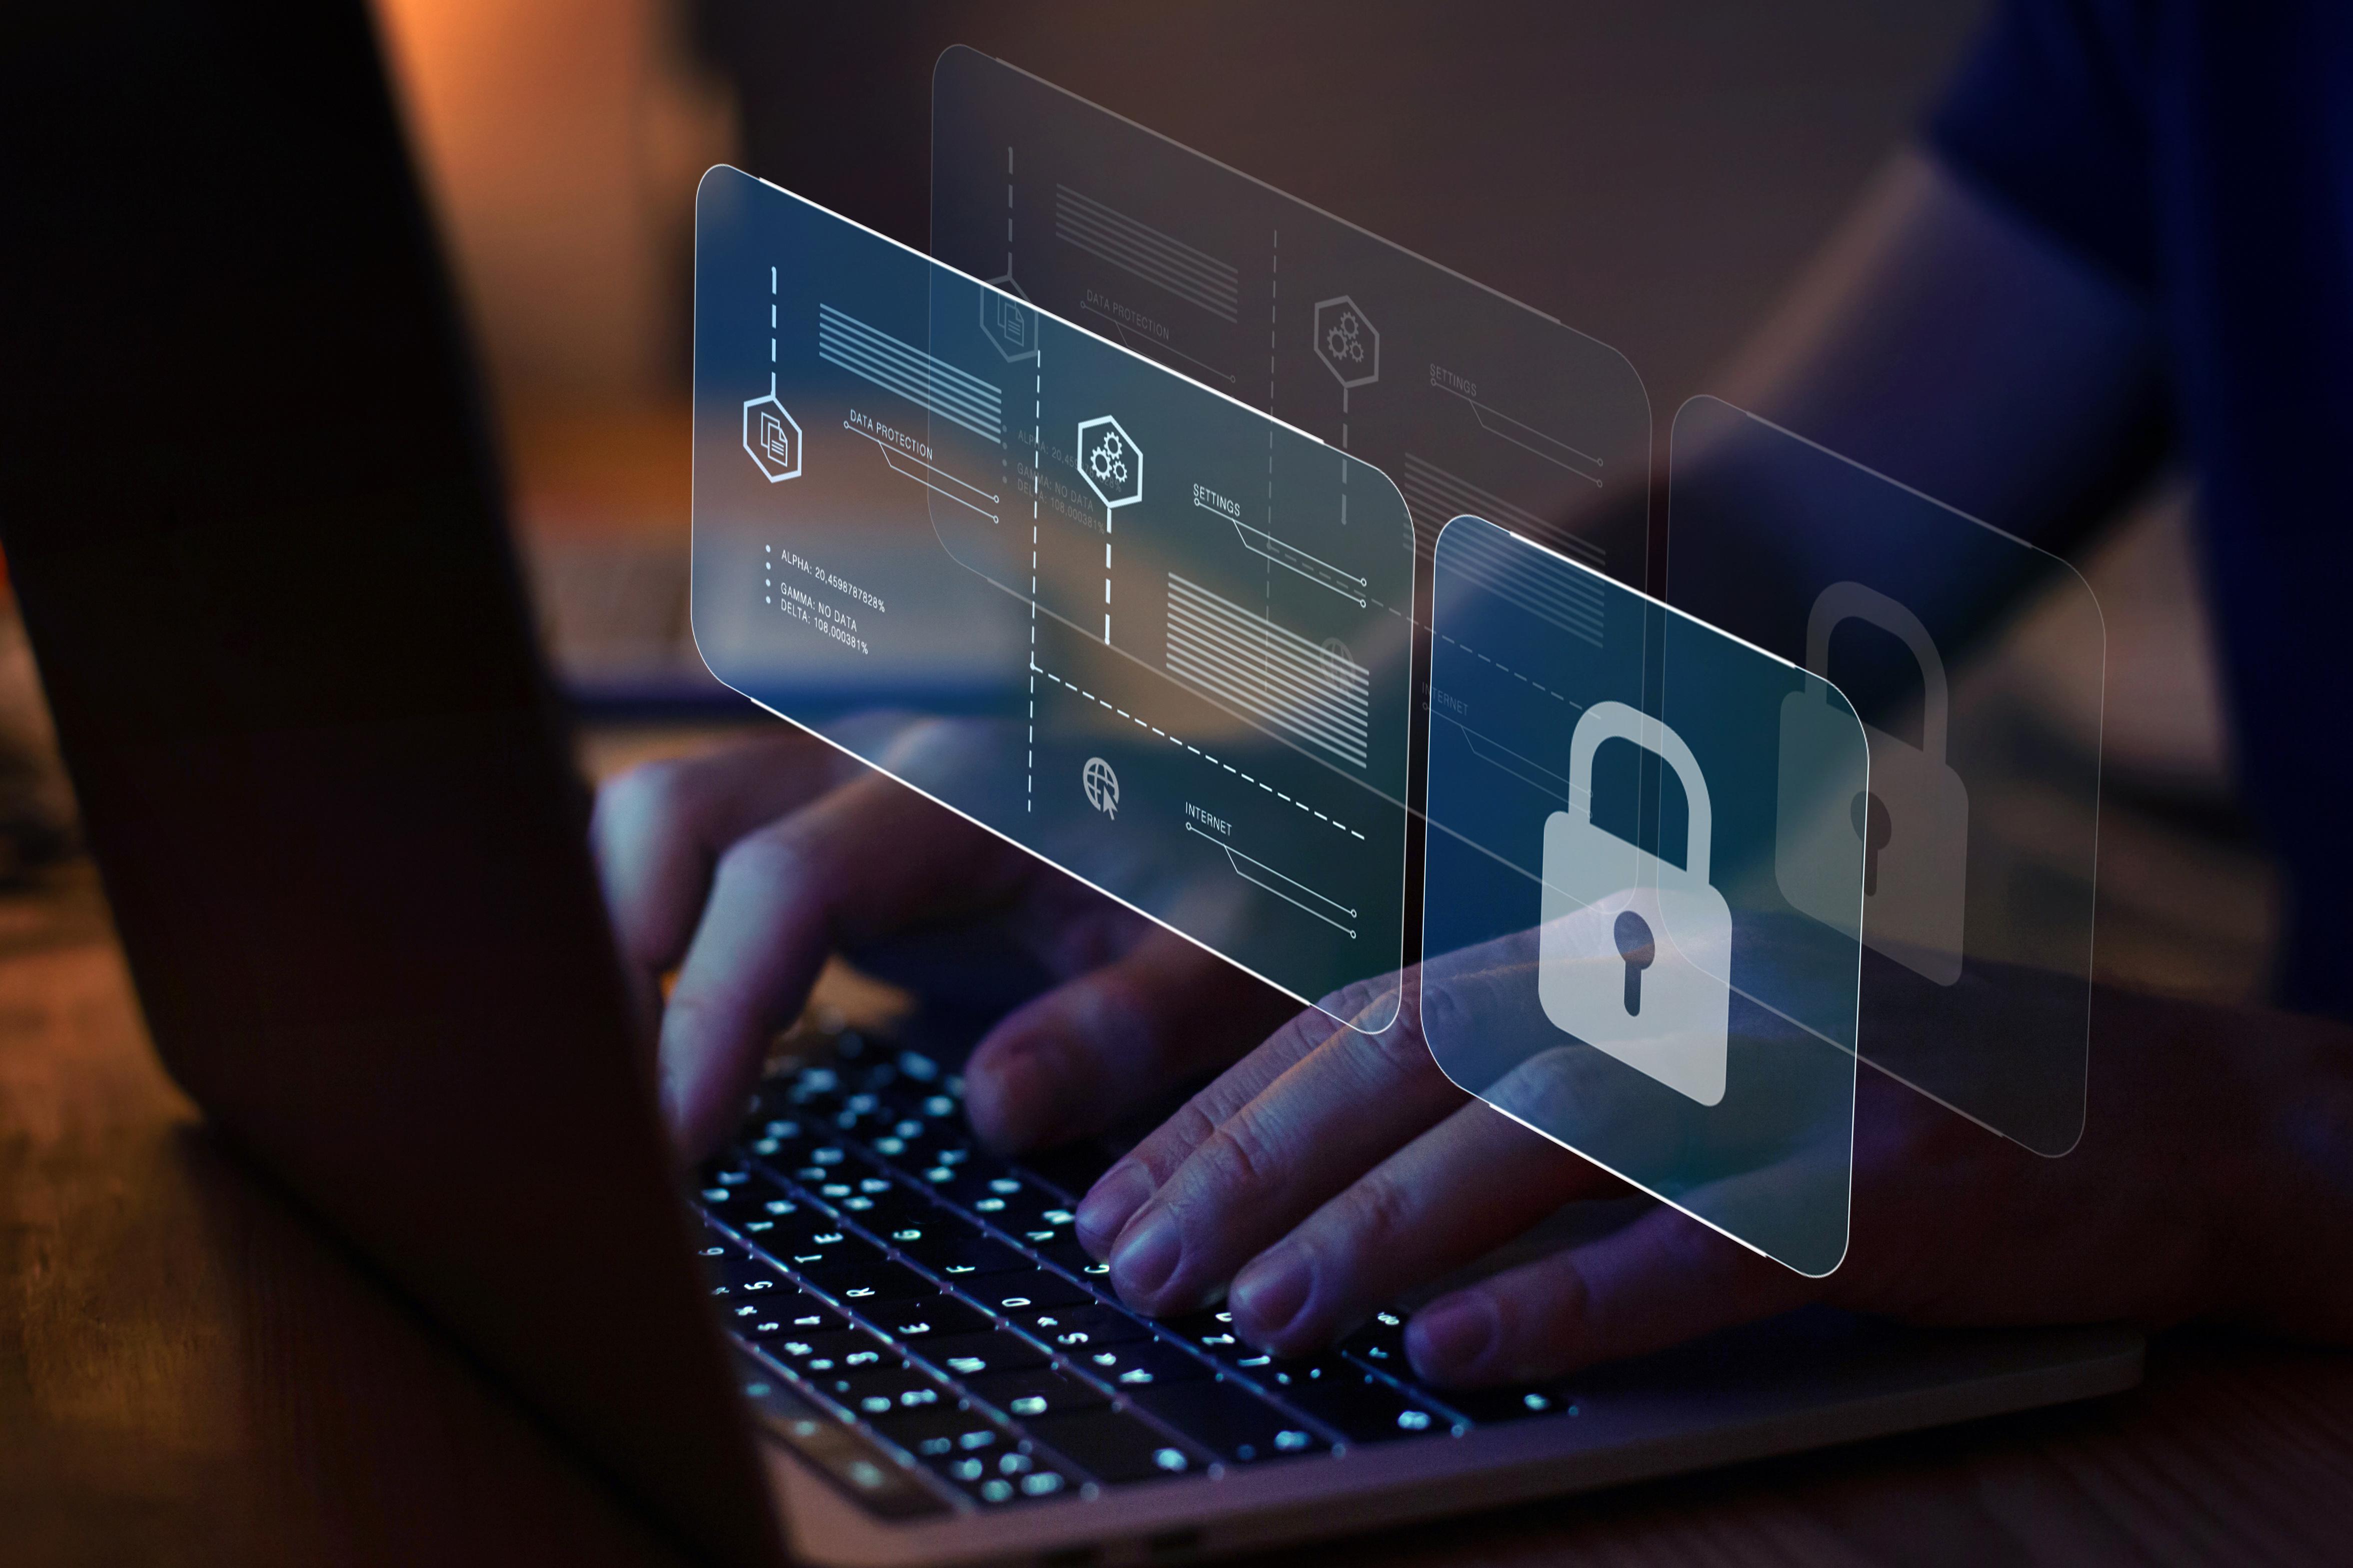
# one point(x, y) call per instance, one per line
point(828, 430)
point(1983, 822)
point(1610, 957)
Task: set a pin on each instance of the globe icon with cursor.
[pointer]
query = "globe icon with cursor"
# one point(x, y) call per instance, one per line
point(1102, 785)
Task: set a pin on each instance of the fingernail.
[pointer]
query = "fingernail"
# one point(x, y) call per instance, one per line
point(1110, 1204)
point(1268, 1295)
point(1145, 1258)
point(1450, 1336)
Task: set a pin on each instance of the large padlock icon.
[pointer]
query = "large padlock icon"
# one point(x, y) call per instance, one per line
point(1913, 822)
point(1634, 956)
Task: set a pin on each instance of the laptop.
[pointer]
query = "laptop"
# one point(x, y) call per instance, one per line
point(254, 520)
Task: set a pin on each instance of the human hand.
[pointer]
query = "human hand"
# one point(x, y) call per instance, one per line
point(1330, 1171)
point(742, 870)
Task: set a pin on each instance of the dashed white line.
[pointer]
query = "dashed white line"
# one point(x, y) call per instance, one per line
point(1219, 761)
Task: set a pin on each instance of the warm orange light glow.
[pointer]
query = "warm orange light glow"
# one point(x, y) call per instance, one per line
point(562, 140)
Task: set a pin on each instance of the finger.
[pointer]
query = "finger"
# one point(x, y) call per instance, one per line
point(1338, 1111)
point(867, 859)
point(659, 829)
point(1462, 1189)
point(1081, 1057)
point(1124, 1188)
point(1662, 1279)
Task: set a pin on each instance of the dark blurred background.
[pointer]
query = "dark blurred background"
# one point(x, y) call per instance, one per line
point(1654, 174)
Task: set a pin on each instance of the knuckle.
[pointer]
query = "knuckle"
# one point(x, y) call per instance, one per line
point(1299, 1034)
point(1196, 1122)
point(1446, 1011)
point(1240, 1084)
point(1358, 999)
point(1237, 1159)
point(1345, 1003)
point(1167, 1151)
point(1401, 1050)
point(1378, 1211)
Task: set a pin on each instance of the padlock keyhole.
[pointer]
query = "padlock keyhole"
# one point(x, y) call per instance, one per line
point(1874, 827)
point(1636, 946)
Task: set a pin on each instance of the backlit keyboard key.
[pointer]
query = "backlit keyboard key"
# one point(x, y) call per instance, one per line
point(1229, 1421)
point(1364, 1409)
point(928, 1317)
point(747, 1287)
point(1017, 1292)
point(1114, 1445)
point(1382, 1342)
point(1038, 1391)
point(849, 1456)
point(1140, 1363)
point(862, 1180)
point(826, 1242)
point(1009, 1478)
point(1069, 1255)
point(970, 1355)
point(1213, 1334)
point(743, 1312)
point(888, 1209)
point(960, 1252)
point(945, 1433)
point(739, 1194)
point(797, 1313)
point(860, 1282)
point(1489, 1406)
point(840, 1352)
point(1072, 1327)
point(885, 1391)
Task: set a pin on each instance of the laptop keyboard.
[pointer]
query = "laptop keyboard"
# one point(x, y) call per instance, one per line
point(917, 1318)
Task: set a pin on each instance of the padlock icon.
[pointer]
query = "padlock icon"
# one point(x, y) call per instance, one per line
point(1913, 821)
point(1634, 956)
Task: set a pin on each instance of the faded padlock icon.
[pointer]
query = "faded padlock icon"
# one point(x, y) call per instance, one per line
point(1634, 951)
point(1913, 822)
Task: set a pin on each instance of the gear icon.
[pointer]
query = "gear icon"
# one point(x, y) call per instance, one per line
point(1108, 461)
point(1345, 340)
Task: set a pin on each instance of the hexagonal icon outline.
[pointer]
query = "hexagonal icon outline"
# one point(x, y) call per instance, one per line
point(1086, 468)
point(770, 400)
point(992, 306)
point(1370, 330)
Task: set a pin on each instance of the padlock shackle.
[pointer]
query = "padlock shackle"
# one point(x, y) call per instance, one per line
point(1855, 602)
point(1617, 721)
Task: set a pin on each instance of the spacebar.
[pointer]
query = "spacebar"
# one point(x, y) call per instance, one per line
point(868, 1474)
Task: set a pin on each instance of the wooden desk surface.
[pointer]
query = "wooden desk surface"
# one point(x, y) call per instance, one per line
point(191, 1373)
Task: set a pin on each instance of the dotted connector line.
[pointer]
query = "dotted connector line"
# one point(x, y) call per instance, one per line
point(1037, 453)
point(1176, 741)
point(1037, 457)
point(1507, 669)
point(1273, 295)
point(1474, 653)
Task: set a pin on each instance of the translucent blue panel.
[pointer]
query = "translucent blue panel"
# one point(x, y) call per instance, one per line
point(1471, 401)
point(1981, 827)
point(1175, 671)
point(1611, 953)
